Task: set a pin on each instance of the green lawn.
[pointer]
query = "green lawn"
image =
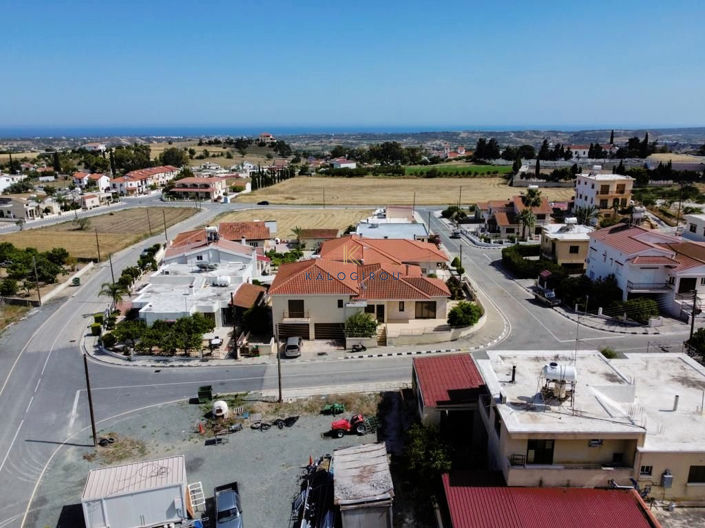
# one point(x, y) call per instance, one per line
point(459, 169)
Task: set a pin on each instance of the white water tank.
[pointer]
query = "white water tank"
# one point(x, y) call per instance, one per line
point(220, 409)
point(571, 220)
point(557, 372)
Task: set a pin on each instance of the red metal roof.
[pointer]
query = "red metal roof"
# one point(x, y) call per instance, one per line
point(489, 507)
point(447, 379)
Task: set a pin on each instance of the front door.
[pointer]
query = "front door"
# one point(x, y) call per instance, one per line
point(380, 313)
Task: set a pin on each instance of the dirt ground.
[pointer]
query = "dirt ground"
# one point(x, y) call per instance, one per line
point(386, 191)
point(304, 218)
point(266, 464)
point(116, 230)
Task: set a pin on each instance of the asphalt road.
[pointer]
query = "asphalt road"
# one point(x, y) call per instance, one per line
point(42, 387)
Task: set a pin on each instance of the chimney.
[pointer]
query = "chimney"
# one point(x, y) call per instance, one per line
point(514, 373)
point(675, 403)
point(243, 241)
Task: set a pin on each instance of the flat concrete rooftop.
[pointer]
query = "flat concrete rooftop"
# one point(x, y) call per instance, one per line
point(625, 398)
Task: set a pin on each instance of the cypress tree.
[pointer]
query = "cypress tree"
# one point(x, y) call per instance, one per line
point(538, 168)
point(612, 137)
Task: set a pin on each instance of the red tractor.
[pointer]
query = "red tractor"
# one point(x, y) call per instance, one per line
point(356, 424)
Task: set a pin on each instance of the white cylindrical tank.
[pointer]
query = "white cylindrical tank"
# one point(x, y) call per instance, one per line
point(555, 372)
point(220, 409)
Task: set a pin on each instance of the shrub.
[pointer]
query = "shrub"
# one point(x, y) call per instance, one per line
point(608, 352)
point(460, 270)
point(98, 318)
point(109, 340)
point(513, 259)
point(697, 342)
point(456, 289)
point(456, 263)
point(8, 287)
point(640, 309)
point(464, 314)
point(96, 329)
point(426, 453)
point(361, 324)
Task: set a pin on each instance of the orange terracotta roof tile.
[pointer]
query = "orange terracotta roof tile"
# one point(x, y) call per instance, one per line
point(249, 230)
point(247, 294)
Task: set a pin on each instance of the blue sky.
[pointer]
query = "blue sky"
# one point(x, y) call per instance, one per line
point(353, 64)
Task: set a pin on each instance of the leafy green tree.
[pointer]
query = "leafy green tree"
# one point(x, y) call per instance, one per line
point(258, 320)
point(697, 342)
point(427, 454)
point(527, 219)
point(56, 163)
point(129, 332)
point(532, 198)
point(585, 214)
point(115, 291)
point(174, 156)
point(58, 256)
point(297, 232)
point(8, 287)
point(361, 324)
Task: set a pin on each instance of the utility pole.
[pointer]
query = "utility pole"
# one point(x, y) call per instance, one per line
point(166, 238)
point(90, 399)
point(460, 197)
point(324, 198)
point(279, 364)
point(36, 280)
point(692, 314)
point(112, 273)
point(97, 244)
point(149, 223)
point(413, 205)
point(429, 222)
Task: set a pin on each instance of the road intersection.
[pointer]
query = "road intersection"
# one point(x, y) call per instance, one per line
point(42, 387)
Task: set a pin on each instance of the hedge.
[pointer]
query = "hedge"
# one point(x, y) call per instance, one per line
point(513, 259)
point(464, 314)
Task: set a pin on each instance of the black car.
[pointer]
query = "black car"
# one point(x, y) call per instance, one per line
point(263, 202)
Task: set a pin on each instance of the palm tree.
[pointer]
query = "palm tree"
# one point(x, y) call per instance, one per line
point(532, 198)
point(297, 232)
point(585, 214)
point(114, 290)
point(527, 219)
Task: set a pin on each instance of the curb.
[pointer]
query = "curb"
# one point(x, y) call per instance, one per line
point(410, 353)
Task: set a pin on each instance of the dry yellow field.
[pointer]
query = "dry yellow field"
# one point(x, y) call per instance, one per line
point(304, 218)
point(115, 231)
point(256, 156)
point(4, 158)
point(385, 191)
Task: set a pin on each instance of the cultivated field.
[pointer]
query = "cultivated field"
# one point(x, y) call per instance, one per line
point(385, 191)
point(116, 231)
point(461, 169)
point(304, 218)
point(255, 154)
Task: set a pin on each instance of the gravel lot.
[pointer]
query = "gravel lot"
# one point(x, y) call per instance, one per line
point(265, 464)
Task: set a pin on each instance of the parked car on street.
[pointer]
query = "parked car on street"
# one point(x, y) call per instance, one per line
point(293, 347)
point(263, 202)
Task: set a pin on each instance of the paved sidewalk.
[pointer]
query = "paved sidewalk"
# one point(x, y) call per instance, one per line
point(90, 346)
point(621, 327)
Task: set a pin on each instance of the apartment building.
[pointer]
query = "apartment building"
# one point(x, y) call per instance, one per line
point(603, 191)
point(566, 244)
point(579, 420)
point(143, 180)
point(197, 188)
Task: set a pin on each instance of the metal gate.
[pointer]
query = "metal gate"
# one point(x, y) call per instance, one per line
point(293, 330)
point(329, 330)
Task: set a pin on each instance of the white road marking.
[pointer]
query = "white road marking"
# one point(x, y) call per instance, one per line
point(37, 385)
point(11, 444)
point(29, 405)
point(74, 409)
point(487, 257)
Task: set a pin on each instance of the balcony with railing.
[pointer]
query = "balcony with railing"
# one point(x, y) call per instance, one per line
point(518, 473)
point(649, 287)
point(296, 316)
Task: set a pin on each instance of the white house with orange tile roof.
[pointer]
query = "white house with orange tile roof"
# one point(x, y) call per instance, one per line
point(199, 188)
point(313, 298)
point(649, 263)
point(502, 216)
point(143, 180)
point(357, 249)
